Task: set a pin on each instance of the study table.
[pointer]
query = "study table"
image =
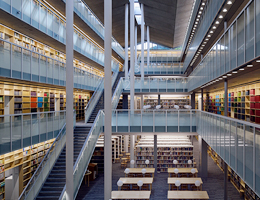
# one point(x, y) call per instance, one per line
point(134, 180)
point(130, 194)
point(185, 170)
point(187, 181)
point(184, 194)
point(139, 171)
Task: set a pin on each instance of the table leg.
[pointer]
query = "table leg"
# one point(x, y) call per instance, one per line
point(88, 181)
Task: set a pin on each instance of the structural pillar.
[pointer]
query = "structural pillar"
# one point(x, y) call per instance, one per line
point(136, 46)
point(155, 153)
point(142, 41)
point(107, 100)
point(226, 98)
point(159, 99)
point(202, 99)
point(126, 40)
point(226, 114)
point(142, 101)
point(125, 101)
point(204, 158)
point(69, 103)
point(148, 46)
point(192, 100)
point(132, 65)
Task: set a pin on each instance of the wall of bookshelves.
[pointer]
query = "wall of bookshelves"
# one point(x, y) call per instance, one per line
point(168, 149)
point(243, 103)
point(13, 36)
point(28, 159)
point(234, 178)
point(30, 99)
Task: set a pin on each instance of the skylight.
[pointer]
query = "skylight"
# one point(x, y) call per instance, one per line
point(137, 12)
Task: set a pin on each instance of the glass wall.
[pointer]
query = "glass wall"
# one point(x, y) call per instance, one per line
point(239, 44)
point(21, 63)
point(43, 18)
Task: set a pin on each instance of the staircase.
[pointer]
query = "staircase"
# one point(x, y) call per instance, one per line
point(100, 103)
point(56, 180)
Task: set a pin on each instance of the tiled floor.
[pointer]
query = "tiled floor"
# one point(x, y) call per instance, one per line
point(214, 184)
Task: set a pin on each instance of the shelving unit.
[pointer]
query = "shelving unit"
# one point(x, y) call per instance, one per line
point(168, 103)
point(30, 99)
point(234, 178)
point(168, 149)
point(243, 103)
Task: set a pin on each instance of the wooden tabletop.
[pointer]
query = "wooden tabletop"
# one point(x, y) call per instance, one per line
point(182, 170)
point(130, 194)
point(128, 154)
point(187, 194)
point(171, 180)
point(133, 180)
point(139, 170)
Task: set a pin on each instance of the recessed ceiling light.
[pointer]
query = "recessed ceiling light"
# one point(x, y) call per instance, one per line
point(201, 8)
point(209, 35)
point(207, 39)
point(200, 12)
point(229, 2)
point(211, 31)
point(214, 27)
point(203, 45)
point(203, 3)
point(220, 16)
point(229, 74)
point(234, 72)
point(198, 15)
point(195, 25)
point(224, 76)
point(217, 80)
point(220, 78)
point(241, 69)
point(196, 22)
point(217, 22)
point(249, 65)
point(205, 42)
point(197, 19)
point(224, 10)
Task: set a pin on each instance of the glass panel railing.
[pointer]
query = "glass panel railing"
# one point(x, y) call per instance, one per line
point(157, 85)
point(117, 93)
point(32, 66)
point(154, 120)
point(96, 96)
point(22, 130)
point(85, 155)
point(43, 18)
point(85, 13)
point(34, 185)
point(236, 142)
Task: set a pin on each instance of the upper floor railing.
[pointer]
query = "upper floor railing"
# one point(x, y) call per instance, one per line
point(239, 44)
point(85, 13)
point(23, 130)
point(43, 18)
point(157, 85)
point(25, 64)
point(161, 69)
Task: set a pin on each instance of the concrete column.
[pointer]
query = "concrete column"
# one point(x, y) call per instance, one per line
point(192, 100)
point(125, 101)
point(107, 100)
point(202, 99)
point(159, 99)
point(225, 181)
point(203, 158)
point(148, 46)
point(69, 103)
point(136, 45)
point(132, 60)
point(126, 40)
point(142, 101)
point(226, 97)
point(142, 41)
point(155, 153)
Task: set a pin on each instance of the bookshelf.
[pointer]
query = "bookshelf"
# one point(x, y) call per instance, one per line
point(22, 40)
point(168, 103)
point(30, 99)
point(169, 148)
point(234, 178)
point(243, 103)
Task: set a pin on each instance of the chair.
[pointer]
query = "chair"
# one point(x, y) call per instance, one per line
point(117, 160)
point(173, 187)
point(125, 187)
point(145, 187)
point(123, 164)
point(139, 175)
point(194, 188)
point(184, 187)
point(183, 175)
point(135, 187)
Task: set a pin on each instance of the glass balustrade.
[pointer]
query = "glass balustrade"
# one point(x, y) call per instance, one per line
point(157, 85)
point(46, 20)
point(161, 69)
point(23, 130)
point(234, 48)
point(21, 63)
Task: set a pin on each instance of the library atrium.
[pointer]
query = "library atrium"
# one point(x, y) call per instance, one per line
point(129, 99)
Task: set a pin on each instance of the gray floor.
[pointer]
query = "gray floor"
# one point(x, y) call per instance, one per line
point(213, 185)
